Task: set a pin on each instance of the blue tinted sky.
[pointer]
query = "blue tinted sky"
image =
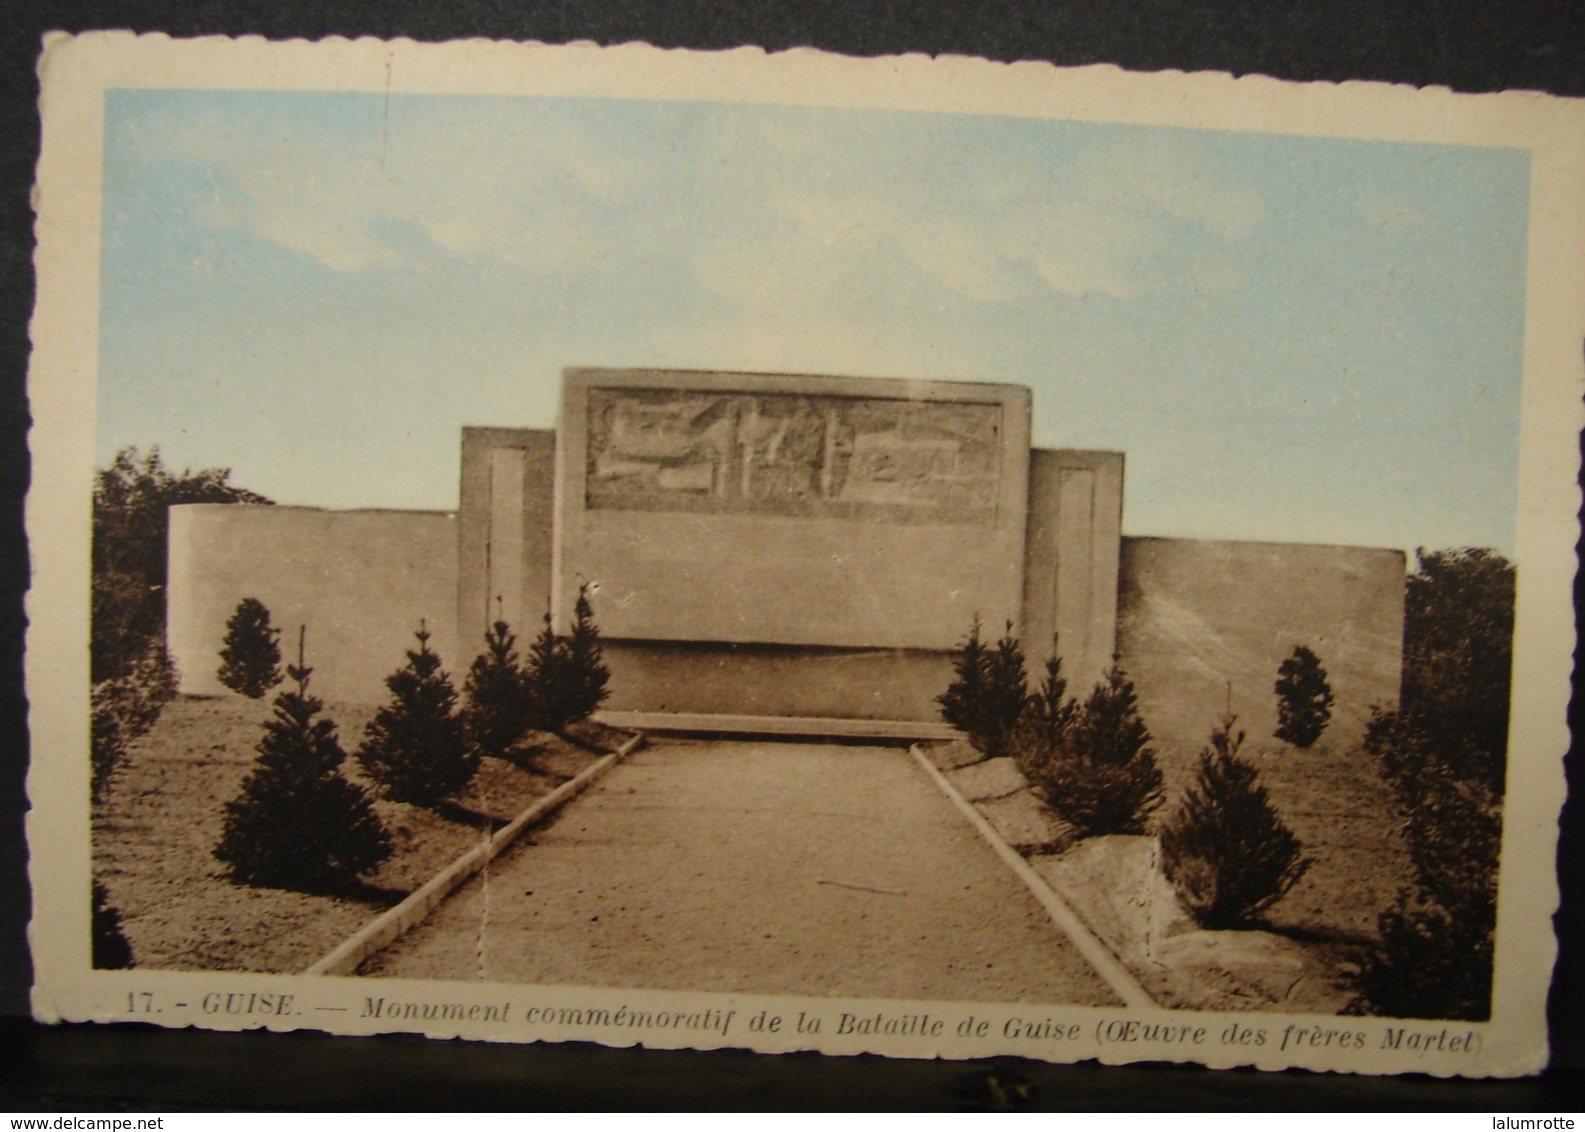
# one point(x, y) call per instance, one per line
point(1305, 339)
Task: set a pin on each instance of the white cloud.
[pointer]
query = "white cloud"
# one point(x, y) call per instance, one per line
point(966, 257)
point(473, 186)
point(774, 214)
point(1096, 226)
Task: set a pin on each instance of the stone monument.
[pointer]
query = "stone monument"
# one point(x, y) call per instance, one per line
point(794, 553)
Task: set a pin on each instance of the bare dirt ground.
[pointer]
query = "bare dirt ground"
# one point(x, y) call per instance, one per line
point(161, 816)
point(781, 868)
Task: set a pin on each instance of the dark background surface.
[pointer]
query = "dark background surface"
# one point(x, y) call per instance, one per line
point(1470, 45)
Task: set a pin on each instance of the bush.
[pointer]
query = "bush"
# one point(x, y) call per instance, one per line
point(1458, 659)
point(132, 498)
point(251, 657)
point(1042, 730)
point(297, 822)
point(567, 676)
point(986, 700)
point(107, 735)
point(585, 673)
point(962, 702)
point(126, 707)
point(1304, 699)
point(499, 699)
point(1434, 955)
point(111, 951)
point(1225, 849)
point(415, 746)
point(1429, 963)
point(1444, 754)
point(1102, 776)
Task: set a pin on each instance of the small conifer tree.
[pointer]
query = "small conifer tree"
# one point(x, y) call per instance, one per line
point(1050, 709)
point(297, 822)
point(1304, 698)
point(1225, 849)
point(1042, 731)
point(987, 698)
point(251, 658)
point(499, 706)
point(544, 674)
point(587, 675)
point(567, 675)
point(1006, 691)
point(415, 747)
point(962, 702)
point(1104, 778)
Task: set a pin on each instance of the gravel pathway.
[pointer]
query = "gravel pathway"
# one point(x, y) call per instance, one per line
point(759, 867)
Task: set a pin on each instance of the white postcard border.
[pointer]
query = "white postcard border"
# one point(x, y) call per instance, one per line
point(76, 73)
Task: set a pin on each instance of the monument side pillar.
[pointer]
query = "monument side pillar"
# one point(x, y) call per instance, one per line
point(504, 531)
point(1073, 549)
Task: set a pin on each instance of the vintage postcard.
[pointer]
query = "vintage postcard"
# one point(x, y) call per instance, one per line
point(789, 552)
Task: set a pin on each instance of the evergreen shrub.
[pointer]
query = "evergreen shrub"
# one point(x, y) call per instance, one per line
point(1429, 963)
point(586, 674)
point(499, 699)
point(251, 656)
point(1103, 777)
point(1445, 920)
point(567, 675)
point(416, 746)
point(1091, 762)
point(1226, 851)
point(1304, 698)
point(963, 701)
point(1042, 731)
point(987, 697)
point(297, 822)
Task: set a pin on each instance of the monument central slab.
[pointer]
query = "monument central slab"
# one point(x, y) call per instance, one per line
point(882, 459)
point(784, 509)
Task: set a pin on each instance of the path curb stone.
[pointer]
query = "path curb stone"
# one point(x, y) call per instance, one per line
point(1024, 823)
point(993, 778)
point(390, 925)
point(1113, 888)
point(1100, 956)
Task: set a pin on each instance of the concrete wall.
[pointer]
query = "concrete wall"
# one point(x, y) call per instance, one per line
point(359, 580)
point(1195, 616)
point(504, 530)
point(654, 504)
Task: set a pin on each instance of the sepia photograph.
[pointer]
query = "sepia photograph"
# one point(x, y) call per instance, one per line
point(781, 552)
